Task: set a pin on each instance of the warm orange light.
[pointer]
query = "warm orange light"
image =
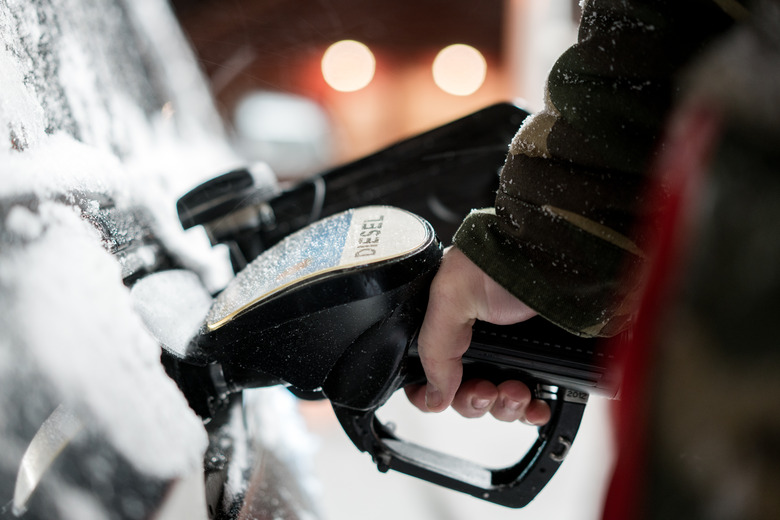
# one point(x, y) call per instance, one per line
point(459, 69)
point(348, 66)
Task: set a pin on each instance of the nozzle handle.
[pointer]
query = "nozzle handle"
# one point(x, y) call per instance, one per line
point(540, 351)
point(560, 368)
point(513, 486)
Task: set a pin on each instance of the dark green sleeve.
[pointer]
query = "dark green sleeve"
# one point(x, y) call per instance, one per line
point(561, 236)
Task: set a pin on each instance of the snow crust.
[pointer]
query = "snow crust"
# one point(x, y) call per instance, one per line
point(79, 326)
point(173, 305)
point(98, 98)
point(101, 102)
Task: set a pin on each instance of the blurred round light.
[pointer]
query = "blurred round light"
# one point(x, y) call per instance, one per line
point(459, 69)
point(348, 66)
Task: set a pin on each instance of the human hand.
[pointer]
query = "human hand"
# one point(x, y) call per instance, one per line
point(460, 294)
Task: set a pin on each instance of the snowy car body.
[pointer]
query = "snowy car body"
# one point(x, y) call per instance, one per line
point(106, 122)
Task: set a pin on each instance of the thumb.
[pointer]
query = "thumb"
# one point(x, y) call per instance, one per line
point(445, 335)
point(442, 362)
point(460, 294)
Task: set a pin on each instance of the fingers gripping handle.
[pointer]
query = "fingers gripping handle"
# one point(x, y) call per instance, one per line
point(512, 486)
point(557, 368)
point(541, 351)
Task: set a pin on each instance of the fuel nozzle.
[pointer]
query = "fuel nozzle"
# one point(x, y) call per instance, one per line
point(301, 306)
point(233, 209)
point(333, 310)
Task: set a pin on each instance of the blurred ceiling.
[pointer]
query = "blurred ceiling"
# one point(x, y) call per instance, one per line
point(275, 26)
point(250, 41)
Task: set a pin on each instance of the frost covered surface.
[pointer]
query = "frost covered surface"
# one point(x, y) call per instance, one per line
point(96, 98)
point(80, 331)
point(172, 305)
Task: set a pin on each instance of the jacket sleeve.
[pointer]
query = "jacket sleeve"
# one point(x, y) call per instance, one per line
point(561, 236)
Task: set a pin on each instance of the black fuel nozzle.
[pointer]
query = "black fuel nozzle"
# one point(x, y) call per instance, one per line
point(297, 309)
point(333, 312)
point(440, 175)
point(233, 209)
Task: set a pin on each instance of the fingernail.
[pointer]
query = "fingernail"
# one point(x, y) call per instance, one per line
point(480, 404)
point(511, 404)
point(433, 397)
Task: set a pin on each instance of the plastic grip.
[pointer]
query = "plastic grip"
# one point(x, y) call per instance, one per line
point(513, 486)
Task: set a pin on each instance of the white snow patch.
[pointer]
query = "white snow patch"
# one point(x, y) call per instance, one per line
point(17, 102)
point(173, 305)
point(60, 164)
point(78, 323)
point(23, 223)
